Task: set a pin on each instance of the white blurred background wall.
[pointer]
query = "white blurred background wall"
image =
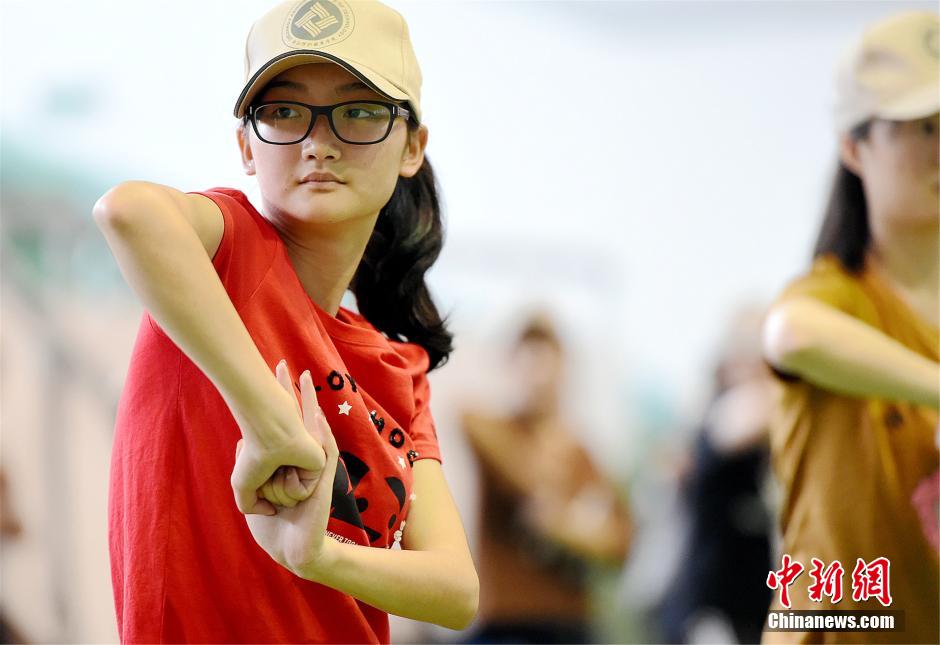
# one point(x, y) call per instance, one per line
point(639, 168)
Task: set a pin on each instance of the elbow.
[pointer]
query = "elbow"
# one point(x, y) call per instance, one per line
point(465, 605)
point(115, 210)
point(789, 336)
point(111, 208)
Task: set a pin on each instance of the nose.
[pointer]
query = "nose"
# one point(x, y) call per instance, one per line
point(321, 143)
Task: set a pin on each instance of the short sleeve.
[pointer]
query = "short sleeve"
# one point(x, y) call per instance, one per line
point(828, 283)
point(422, 430)
point(247, 249)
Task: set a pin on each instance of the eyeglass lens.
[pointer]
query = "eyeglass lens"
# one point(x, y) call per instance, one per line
point(354, 122)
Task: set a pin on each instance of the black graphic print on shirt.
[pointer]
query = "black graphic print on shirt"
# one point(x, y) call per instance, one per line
point(347, 507)
point(366, 493)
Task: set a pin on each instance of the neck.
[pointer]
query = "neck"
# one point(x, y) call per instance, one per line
point(909, 260)
point(326, 256)
point(538, 412)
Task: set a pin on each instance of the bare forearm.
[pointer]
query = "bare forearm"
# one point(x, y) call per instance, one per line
point(167, 267)
point(593, 525)
point(431, 586)
point(840, 353)
point(606, 547)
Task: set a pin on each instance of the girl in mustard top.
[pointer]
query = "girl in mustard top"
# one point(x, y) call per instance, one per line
point(855, 342)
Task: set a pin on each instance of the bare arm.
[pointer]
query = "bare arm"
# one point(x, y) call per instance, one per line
point(591, 521)
point(491, 441)
point(162, 240)
point(837, 352)
point(431, 579)
point(588, 518)
point(738, 420)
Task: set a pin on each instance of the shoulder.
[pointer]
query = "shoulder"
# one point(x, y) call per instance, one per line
point(829, 283)
point(481, 428)
point(134, 200)
point(227, 202)
point(228, 214)
point(409, 356)
point(206, 218)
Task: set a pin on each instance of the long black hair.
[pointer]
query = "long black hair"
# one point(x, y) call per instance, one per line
point(845, 231)
point(389, 284)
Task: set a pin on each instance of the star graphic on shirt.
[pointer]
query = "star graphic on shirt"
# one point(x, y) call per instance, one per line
point(401, 462)
point(344, 408)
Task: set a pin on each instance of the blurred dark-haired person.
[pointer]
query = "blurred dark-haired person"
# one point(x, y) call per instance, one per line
point(547, 513)
point(855, 343)
point(719, 591)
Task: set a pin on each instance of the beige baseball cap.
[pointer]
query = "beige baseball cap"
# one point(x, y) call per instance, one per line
point(366, 37)
point(893, 72)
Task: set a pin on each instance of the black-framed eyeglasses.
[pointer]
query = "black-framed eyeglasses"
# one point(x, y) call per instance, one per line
point(358, 122)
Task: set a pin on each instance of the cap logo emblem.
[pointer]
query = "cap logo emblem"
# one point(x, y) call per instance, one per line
point(318, 23)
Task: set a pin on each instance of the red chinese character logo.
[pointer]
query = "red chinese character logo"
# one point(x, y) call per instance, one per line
point(872, 581)
point(826, 581)
point(784, 578)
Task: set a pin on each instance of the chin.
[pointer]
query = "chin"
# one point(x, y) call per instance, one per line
point(320, 209)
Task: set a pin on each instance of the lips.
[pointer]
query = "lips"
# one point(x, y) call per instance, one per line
point(320, 178)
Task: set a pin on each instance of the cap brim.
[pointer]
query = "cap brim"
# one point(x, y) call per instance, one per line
point(301, 57)
point(921, 103)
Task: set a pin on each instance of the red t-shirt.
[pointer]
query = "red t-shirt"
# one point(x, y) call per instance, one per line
point(183, 563)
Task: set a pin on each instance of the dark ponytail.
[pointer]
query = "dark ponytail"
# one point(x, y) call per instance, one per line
point(845, 233)
point(389, 283)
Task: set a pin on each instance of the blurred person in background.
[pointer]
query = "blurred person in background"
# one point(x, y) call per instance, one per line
point(236, 298)
point(855, 343)
point(719, 592)
point(547, 513)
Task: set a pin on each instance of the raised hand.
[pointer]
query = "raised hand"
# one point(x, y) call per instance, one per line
point(262, 475)
point(288, 485)
point(295, 536)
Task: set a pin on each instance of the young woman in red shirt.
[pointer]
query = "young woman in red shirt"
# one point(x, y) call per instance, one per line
point(239, 302)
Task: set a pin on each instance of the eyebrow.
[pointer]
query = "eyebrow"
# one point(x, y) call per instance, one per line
point(352, 87)
point(291, 85)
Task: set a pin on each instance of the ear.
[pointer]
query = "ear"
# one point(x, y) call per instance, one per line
point(244, 145)
point(849, 154)
point(413, 155)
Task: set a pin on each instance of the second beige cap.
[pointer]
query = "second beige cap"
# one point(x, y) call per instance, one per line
point(892, 73)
